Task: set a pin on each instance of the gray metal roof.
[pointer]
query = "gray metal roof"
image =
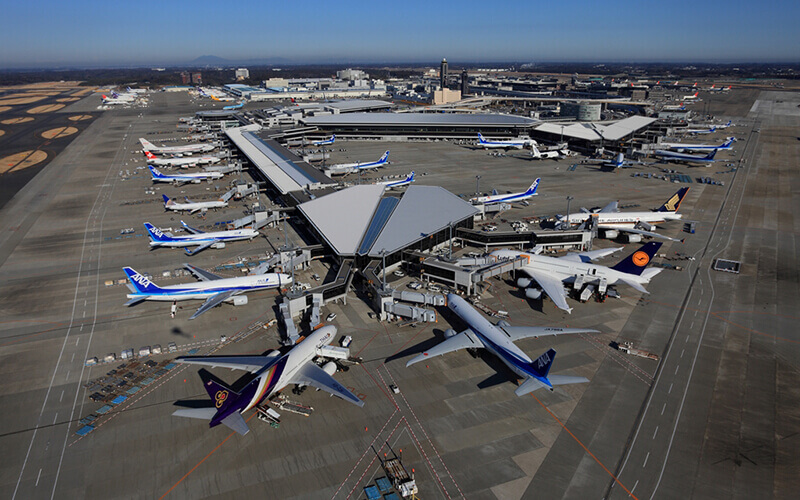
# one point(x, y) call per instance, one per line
point(352, 105)
point(422, 210)
point(342, 217)
point(610, 131)
point(420, 119)
point(622, 128)
point(575, 130)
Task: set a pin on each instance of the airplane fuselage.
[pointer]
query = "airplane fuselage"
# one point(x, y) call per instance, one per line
point(205, 289)
point(199, 239)
point(627, 219)
point(193, 207)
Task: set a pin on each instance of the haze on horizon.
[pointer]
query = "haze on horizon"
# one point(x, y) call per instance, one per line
point(148, 33)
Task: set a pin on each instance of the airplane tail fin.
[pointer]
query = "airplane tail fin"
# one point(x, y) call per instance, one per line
point(638, 260)
point(140, 283)
point(541, 365)
point(155, 233)
point(674, 202)
point(149, 155)
point(155, 172)
point(480, 138)
point(534, 186)
point(410, 177)
point(223, 397)
point(384, 158)
point(620, 160)
point(147, 144)
point(711, 155)
point(104, 96)
point(167, 201)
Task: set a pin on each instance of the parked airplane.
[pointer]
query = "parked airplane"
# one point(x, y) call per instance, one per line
point(212, 288)
point(499, 340)
point(551, 273)
point(344, 168)
point(192, 207)
point(200, 239)
point(195, 177)
point(387, 185)
point(272, 372)
point(677, 146)
point(135, 91)
point(544, 155)
point(618, 162)
point(714, 88)
point(692, 97)
point(214, 95)
point(233, 106)
point(637, 223)
point(117, 100)
point(325, 142)
point(509, 197)
point(180, 162)
point(693, 131)
point(505, 143)
point(666, 155)
point(175, 150)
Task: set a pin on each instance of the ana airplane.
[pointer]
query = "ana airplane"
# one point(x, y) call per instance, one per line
point(234, 106)
point(192, 207)
point(325, 142)
point(197, 238)
point(195, 177)
point(344, 168)
point(271, 373)
point(175, 150)
point(387, 185)
point(212, 288)
point(637, 223)
point(677, 146)
point(551, 273)
point(180, 162)
point(618, 162)
point(509, 197)
point(505, 143)
point(499, 340)
point(544, 155)
point(666, 155)
point(693, 131)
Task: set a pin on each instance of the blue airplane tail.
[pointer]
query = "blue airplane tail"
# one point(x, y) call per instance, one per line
point(410, 177)
point(221, 394)
point(141, 283)
point(532, 190)
point(167, 201)
point(674, 201)
point(155, 233)
point(711, 155)
point(191, 229)
point(155, 172)
point(384, 158)
point(638, 260)
point(541, 365)
point(480, 138)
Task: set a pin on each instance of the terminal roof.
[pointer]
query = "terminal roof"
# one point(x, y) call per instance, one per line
point(421, 119)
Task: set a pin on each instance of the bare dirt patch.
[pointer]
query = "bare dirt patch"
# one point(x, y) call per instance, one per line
point(14, 121)
point(55, 133)
point(47, 108)
point(22, 99)
point(21, 160)
point(4, 108)
point(68, 99)
point(77, 118)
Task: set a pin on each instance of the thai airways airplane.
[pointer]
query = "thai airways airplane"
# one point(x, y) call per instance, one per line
point(200, 239)
point(551, 273)
point(212, 288)
point(325, 142)
point(666, 155)
point(192, 207)
point(195, 177)
point(175, 150)
point(638, 223)
point(180, 162)
point(505, 143)
point(271, 373)
point(508, 198)
point(677, 146)
point(344, 168)
point(499, 340)
point(387, 185)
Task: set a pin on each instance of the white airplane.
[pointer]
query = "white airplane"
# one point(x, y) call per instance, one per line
point(505, 143)
point(212, 288)
point(345, 168)
point(694, 131)
point(192, 207)
point(509, 197)
point(677, 146)
point(638, 224)
point(618, 162)
point(692, 97)
point(666, 155)
point(325, 142)
point(215, 95)
point(714, 88)
point(180, 162)
point(272, 372)
point(175, 150)
point(117, 99)
point(544, 155)
point(200, 239)
point(551, 273)
point(387, 185)
point(129, 90)
point(499, 340)
point(195, 177)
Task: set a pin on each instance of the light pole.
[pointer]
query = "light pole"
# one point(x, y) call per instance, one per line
point(564, 226)
point(477, 185)
point(383, 269)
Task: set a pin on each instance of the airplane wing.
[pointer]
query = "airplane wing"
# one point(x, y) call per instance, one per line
point(566, 380)
point(590, 255)
point(530, 385)
point(201, 413)
point(200, 248)
point(552, 286)
point(191, 229)
point(236, 422)
point(463, 340)
point(214, 301)
point(313, 375)
point(523, 332)
point(633, 284)
point(247, 363)
point(640, 231)
point(202, 274)
point(611, 207)
point(135, 300)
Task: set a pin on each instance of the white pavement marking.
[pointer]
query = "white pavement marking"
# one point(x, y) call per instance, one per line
point(663, 408)
point(67, 377)
point(670, 389)
point(55, 418)
point(677, 368)
point(73, 358)
point(655, 432)
point(38, 476)
point(62, 396)
point(645, 460)
point(682, 351)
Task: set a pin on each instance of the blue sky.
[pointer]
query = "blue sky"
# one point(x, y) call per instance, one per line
point(145, 32)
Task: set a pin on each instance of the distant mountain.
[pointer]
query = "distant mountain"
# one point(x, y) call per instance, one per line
point(220, 61)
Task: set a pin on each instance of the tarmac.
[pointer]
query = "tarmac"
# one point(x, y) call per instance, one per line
point(715, 417)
